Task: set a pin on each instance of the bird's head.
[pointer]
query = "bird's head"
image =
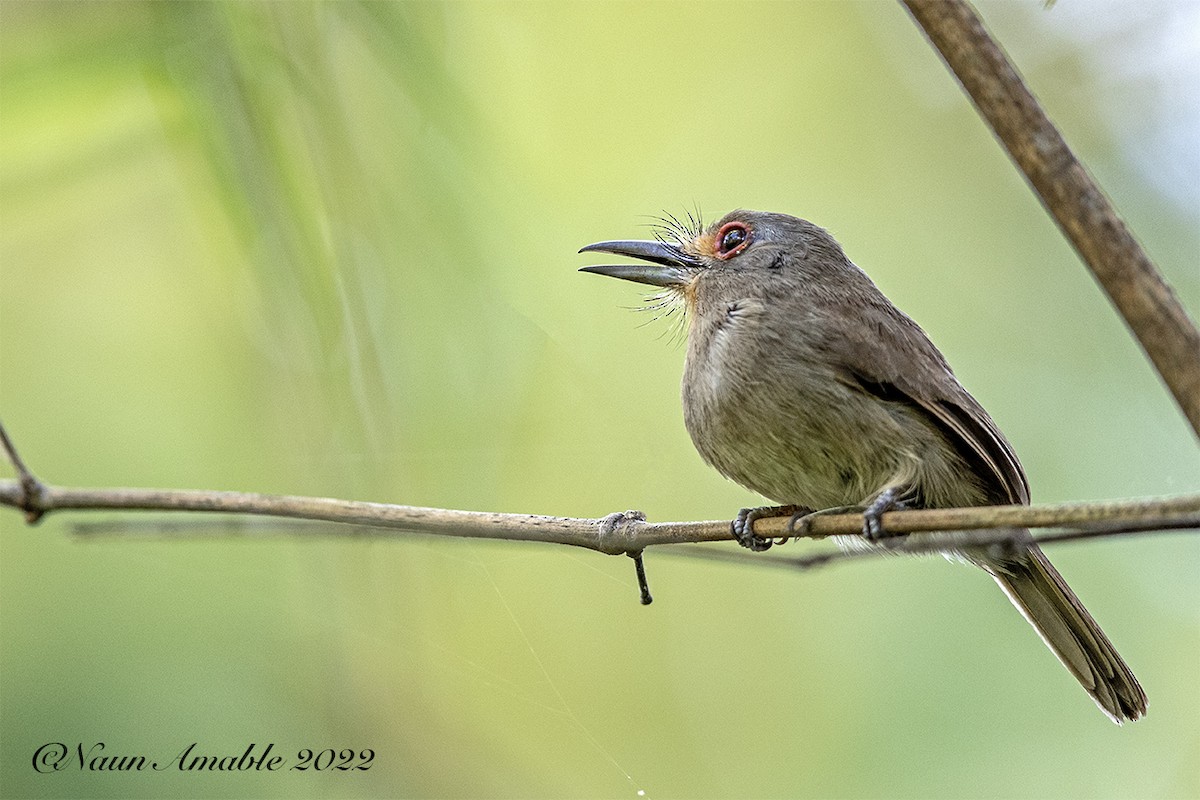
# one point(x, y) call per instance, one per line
point(743, 253)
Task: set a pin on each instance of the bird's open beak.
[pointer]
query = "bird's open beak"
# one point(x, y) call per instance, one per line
point(669, 265)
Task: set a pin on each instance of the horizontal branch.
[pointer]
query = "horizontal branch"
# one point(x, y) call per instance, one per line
point(614, 534)
point(626, 532)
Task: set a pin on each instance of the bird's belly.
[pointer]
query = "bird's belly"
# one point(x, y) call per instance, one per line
point(821, 446)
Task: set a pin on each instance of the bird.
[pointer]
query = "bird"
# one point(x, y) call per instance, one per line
point(803, 383)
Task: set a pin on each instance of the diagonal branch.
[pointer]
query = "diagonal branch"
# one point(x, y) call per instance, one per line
point(1136, 288)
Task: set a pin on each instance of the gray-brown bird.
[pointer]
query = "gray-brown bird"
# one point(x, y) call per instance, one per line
point(805, 384)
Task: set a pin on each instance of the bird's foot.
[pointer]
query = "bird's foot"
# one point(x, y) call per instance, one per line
point(742, 526)
point(887, 500)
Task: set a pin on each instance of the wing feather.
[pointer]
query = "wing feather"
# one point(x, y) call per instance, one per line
point(892, 358)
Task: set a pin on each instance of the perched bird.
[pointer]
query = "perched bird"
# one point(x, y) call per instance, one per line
point(805, 384)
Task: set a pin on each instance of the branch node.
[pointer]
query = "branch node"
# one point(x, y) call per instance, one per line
point(618, 532)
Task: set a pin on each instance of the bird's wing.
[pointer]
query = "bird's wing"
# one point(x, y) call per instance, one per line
point(969, 424)
point(894, 360)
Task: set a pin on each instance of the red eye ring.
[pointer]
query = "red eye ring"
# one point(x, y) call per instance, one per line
point(731, 239)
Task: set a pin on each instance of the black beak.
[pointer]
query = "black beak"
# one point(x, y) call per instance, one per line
point(669, 265)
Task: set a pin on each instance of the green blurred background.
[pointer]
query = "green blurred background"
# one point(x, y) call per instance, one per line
point(329, 249)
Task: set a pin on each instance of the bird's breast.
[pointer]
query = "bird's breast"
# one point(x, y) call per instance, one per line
point(768, 412)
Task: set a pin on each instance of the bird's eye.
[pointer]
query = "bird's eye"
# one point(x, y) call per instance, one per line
point(732, 239)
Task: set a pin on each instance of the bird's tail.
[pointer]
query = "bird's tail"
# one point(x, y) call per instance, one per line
point(1043, 597)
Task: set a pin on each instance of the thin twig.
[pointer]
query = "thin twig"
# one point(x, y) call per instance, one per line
point(932, 543)
point(30, 500)
point(1134, 285)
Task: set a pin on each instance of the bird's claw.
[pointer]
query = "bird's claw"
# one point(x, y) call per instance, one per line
point(885, 501)
point(800, 525)
point(742, 529)
point(742, 526)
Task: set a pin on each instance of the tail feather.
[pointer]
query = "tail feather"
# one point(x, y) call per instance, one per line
point(1043, 597)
